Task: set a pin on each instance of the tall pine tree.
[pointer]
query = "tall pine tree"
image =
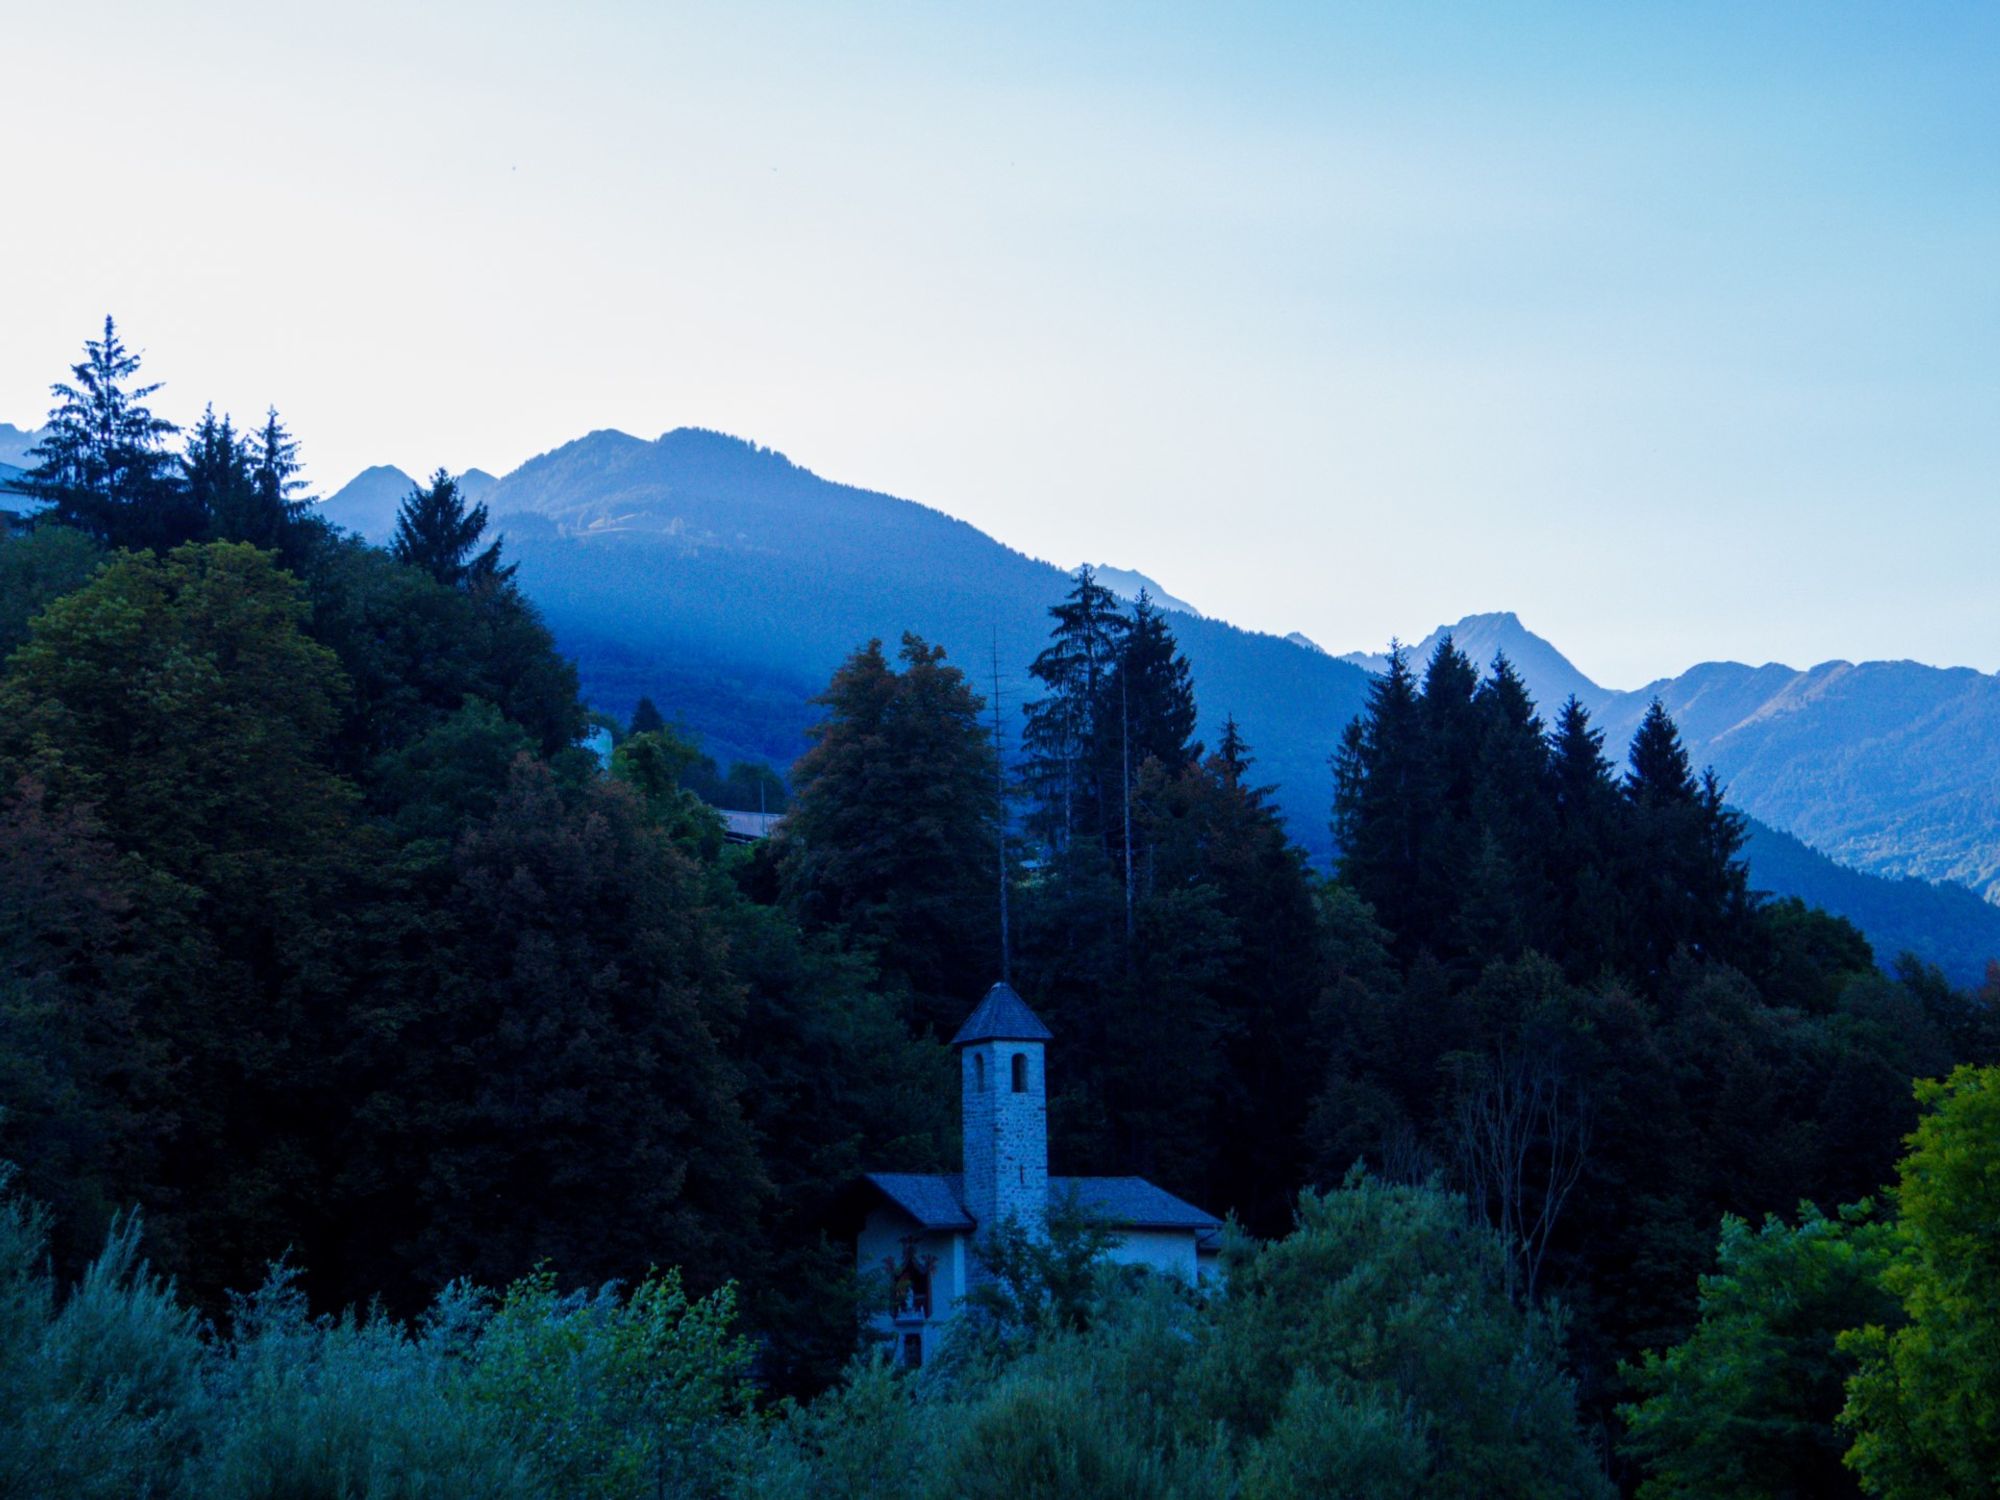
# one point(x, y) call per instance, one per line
point(438, 532)
point(1070, 746)
point(104, 467)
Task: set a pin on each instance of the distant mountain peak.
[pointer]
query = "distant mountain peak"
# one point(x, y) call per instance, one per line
point(16, 443)
point(1127, 585)
point(1300, 638)
point(1551, 677)
point(367, 504)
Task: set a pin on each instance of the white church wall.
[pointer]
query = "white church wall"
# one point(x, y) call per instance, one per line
point(1170, 1251)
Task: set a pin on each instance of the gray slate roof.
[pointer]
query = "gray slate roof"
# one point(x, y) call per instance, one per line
point(931, 1198)
point(1002, 1016)
point(937, 1201)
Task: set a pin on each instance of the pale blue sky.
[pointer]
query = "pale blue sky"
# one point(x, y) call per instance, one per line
point(1674, 328)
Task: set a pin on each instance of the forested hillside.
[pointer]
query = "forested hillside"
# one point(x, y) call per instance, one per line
point(727, 583)
point(336, 976)
point(1882, 766)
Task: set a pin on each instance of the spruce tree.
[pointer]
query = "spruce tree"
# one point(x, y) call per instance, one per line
point(1661, 774)
point(277, 515)
point(1580, 863)
point(1070, 742)
point(646, 718)
point(1153, 687)
point(216, 474)
point(104, 468)
point(438, 532)
point(1378, 812)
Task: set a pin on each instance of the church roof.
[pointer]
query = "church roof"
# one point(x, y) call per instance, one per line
point(936, 1200)
point(931, 1198)
point(1002, 1016)
point(1129, 1203)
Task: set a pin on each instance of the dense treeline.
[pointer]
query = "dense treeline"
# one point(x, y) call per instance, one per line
point(320, 937)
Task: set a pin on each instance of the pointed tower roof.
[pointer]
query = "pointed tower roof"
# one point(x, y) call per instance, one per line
point(1002, 1016)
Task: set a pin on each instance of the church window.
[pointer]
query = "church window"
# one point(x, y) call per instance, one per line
point(978, 1073)
point(913, 1351)
point(1020, 1072)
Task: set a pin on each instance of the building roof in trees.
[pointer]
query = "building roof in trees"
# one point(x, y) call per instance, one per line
point(936, 1200)
point(1002, 1016)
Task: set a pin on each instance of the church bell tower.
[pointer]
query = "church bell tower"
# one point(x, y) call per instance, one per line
point(1005, 1112)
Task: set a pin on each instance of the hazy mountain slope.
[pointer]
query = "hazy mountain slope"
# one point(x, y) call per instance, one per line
point(1942, 924)
point(1885, 766)
point(728, 583)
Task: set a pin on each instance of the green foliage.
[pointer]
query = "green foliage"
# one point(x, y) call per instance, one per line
point(1044, 1278)
point(610, 1396)
point(299, 1405)
point(100, 1387)
point(1372, 1352)
point(893, 836)
point(36, 568)
point(1924, 1406)
point(1745, 1406)
point(1396, 1299)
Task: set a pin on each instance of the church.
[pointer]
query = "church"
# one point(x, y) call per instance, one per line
point(922, 1230)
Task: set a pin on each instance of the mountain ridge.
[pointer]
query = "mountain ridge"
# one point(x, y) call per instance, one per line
point(724, 580)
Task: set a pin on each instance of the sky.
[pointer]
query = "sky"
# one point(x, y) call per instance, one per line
point(1673, 328)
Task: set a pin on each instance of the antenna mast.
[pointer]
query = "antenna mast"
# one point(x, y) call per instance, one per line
point(1000, 809)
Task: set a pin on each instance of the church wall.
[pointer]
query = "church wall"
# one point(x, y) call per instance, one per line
point(1170, 1251)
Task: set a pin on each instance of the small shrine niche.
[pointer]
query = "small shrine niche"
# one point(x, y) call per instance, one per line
point(910, 1281)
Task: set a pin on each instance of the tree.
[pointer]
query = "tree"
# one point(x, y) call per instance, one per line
point(215, 473)
point(438, 532)
point(646, 718)
point(1924, 1406)
point(1744, 1407)
point(37, 567)
point(272, 511)
point(551, 1077)
point(1069, 741)
point(1379, 816)
point(893, 833)
point(1393, 1300)
point(104, 468)
point(179, 699)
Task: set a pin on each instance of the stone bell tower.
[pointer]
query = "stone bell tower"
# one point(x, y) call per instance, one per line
point(1005, 1112)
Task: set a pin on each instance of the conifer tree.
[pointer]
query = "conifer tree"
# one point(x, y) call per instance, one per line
point(279, 502)
point(646, 718)
point(438, 532)
point(1070, 743)
point(215, 471)
point(893, 831)
point(1578, 863)
point(104, 468)
point(1153, 683)
point(1378, 812)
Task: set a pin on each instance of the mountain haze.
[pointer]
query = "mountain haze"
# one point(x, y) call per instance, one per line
point(1884, 766)
point(1127, 585)
point(727, 583)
